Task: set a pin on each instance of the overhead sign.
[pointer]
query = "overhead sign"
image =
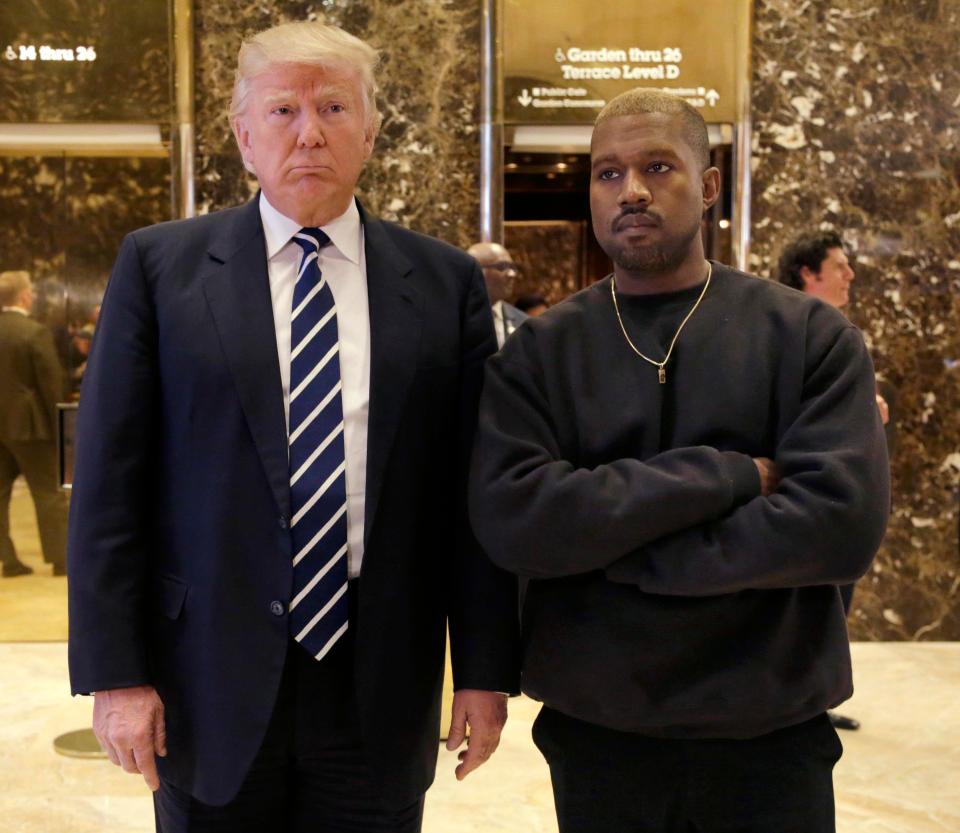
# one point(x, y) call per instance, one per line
point(84, 61)
point(563, 62)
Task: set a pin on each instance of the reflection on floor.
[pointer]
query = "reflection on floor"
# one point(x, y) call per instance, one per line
point(32, 608)
point(899, 773)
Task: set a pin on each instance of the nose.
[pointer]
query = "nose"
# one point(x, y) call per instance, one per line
point(311, 131)
point(634, 189)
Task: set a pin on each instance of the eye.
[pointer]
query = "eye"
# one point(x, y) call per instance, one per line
point(337, 108)
point(282, 110)
point(660, 168)
point(607, 174)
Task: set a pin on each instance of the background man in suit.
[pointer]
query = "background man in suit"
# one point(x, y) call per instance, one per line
point(268, 532)
point(499, 273)
point(816, 263)
point(684, 461)
point(31, 384)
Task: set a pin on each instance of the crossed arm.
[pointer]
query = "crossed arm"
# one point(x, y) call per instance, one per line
point(689, 521)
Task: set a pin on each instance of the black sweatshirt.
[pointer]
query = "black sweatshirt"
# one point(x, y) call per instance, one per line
point(666, 596)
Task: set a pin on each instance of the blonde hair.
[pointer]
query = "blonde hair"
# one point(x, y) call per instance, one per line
point(11, 285)
point(310, 42)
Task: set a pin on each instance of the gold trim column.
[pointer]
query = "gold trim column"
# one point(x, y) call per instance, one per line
point(183, 139)
point(743, 138)
point(491, 125)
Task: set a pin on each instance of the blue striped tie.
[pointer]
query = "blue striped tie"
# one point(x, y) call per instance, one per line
point(318, 484)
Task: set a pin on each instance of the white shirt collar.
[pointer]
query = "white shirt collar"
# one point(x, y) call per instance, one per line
point(497, 309)
point(345, 231)
point(21, 310)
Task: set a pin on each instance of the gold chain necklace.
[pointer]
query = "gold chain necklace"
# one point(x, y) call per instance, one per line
point(661, 366)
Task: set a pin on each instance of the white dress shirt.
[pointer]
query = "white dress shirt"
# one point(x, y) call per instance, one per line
point(343, 265)
point(500, 324)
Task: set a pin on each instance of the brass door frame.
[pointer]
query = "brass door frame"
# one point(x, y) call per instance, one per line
point(492, 133)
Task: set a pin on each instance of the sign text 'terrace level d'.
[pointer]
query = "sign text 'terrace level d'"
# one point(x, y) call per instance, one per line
point(562, 64)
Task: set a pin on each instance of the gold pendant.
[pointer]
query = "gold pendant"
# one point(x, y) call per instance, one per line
point(662, 375)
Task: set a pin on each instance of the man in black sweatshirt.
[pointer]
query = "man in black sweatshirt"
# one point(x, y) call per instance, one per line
point(684, 461)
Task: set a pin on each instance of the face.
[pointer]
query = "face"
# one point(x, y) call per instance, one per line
point(27, 298)
point(648, 192)
point(499, 270)
point(832, 282)
point(305, 134)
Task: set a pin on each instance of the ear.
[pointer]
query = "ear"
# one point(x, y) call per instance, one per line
point(711, 187)
point(808, 276)
point(370, 138)
point(242, 135)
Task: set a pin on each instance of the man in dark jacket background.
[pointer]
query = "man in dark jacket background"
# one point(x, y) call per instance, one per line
point(31, 384)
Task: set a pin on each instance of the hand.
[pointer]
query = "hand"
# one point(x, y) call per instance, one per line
point(884, 409)
point(769, 476)
point(129, 724)
point(485, 712)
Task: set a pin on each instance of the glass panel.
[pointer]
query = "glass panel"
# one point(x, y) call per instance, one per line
point(61, 221)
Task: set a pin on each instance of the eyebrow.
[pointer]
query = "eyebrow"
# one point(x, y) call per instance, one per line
point(278, 96)
point(659, 153)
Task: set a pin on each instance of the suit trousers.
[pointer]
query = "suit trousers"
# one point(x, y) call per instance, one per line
point(310, 775)
point(37, 462)
point(605, 781)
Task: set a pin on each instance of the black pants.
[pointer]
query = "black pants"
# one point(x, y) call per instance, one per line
point(617, 782)
point(310, 775)
point(37, 462)
point(846, 596)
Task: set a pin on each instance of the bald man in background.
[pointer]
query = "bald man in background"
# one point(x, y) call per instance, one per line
point(499, 273)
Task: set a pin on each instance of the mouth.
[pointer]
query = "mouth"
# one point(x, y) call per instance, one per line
point(635, 221)
point(309, 168)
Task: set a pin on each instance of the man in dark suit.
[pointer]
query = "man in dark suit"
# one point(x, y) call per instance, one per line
point(268, 532)
point(499, 273)
point(31, 383)
point(816, 264)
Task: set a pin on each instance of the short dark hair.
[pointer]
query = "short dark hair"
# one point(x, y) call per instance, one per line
point(641, 101)
point(808, 250)
point(528, 302)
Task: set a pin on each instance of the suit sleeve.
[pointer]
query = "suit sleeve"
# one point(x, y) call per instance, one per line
point(109, 527)
point(540, 516)
point(483, 614)
point(48, 373)
point(824, 523)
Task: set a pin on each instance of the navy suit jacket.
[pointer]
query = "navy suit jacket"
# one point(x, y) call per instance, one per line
point(179, 540)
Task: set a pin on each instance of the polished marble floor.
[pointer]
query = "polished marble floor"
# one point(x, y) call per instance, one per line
point(34, 607)
point(899, 774)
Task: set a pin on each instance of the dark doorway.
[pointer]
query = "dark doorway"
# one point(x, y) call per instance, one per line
point(547, 221)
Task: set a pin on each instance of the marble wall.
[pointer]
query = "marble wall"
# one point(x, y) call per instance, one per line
point(62, 219)
point(856, 127)
point(551, 257)
point(425, 169)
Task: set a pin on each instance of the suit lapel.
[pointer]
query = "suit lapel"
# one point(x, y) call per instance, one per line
point(237, 288)
point(395, 324)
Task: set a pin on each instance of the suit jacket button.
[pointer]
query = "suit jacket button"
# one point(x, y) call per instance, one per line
point(277, 608)
point(282, 521)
